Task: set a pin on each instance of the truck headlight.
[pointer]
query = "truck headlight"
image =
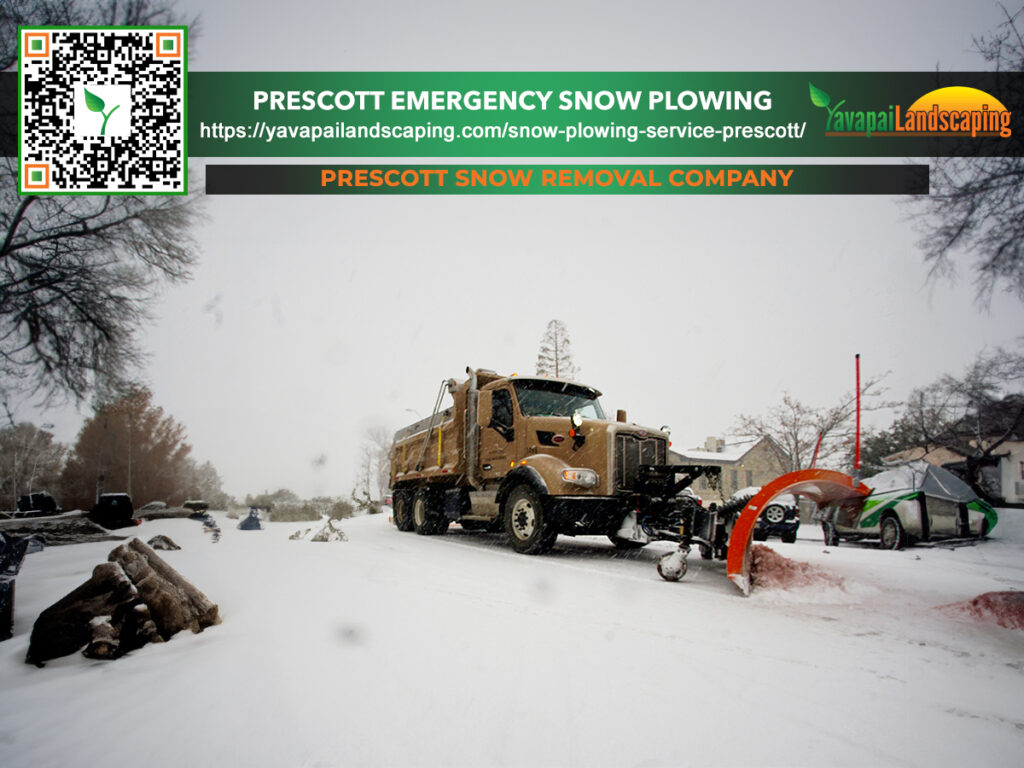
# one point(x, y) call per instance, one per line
point(588, 478)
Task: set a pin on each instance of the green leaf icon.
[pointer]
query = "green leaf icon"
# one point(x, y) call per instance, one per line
point(94, 102)
point(818, 97)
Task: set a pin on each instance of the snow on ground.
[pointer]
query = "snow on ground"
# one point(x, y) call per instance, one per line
point(393, 649)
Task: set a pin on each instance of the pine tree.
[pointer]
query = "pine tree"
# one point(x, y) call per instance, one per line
point(555, 357)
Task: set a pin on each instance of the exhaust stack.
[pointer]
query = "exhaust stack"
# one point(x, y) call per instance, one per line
point(472, 430)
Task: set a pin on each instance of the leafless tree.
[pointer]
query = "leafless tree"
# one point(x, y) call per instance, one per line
point(972, 416)
point(78, 273)
point(793, 428)
point(378, 443)
point(555, 356)
point(976, 204)
point(30, 460)
point(204, 483)
point(82, 13)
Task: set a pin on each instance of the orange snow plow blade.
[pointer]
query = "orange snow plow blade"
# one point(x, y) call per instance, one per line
point(820, 485)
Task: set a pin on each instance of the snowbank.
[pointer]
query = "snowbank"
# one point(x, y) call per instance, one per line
point(1003, 608)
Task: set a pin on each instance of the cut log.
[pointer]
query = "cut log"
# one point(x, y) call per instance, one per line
point(173, 602)
point(162, 542)
point(133, 599)
point(65, 626)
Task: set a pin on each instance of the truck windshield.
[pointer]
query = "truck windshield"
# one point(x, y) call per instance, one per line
point(538, 397)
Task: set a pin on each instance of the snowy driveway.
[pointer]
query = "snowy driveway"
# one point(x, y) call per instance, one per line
point(394, 649)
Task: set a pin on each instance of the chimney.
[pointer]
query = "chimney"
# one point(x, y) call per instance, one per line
point(714, 445)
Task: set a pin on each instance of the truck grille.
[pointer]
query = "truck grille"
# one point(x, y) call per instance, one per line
point(630, 452)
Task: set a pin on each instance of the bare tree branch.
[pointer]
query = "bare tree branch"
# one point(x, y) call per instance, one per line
point(78, 273)
point(976, 204)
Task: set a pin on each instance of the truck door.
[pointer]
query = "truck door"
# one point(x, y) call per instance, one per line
point(497, 433)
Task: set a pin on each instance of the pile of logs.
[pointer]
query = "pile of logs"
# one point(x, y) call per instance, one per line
point(133, 599)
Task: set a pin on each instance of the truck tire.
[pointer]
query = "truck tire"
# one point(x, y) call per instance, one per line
point(528, 529)
point(789, 537)
point(403, 511)
point(891, 532)
point(427, 519)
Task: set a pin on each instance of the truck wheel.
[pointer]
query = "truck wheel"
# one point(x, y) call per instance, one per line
point(403, 511)
point(892, 534)
point(528, 530)
point(426, 518)
point(789, 537)
point(761, 535)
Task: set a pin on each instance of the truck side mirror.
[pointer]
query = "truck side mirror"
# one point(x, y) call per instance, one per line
point(483, 409)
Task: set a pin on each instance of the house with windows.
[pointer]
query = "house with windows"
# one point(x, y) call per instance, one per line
point(744, 462)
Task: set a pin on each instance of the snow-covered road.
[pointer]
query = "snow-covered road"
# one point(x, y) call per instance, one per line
point(394, 649)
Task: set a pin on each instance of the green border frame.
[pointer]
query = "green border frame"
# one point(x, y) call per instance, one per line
point(184, 111)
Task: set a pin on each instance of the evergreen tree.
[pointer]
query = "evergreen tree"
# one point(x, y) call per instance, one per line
point(555, 357)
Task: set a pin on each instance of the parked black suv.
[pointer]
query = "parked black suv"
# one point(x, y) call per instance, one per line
point(37, 504)
point(780, 518)
point(114, 510)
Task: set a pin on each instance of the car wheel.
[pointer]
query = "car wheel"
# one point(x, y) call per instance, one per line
point(426, 518)
point(892, 534)
point(526, 524)
point(760, 535)
point(403, 512)
point(789, 537)
point(775, 514)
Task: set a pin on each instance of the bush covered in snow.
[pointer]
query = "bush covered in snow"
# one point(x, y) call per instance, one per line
point(311, 509)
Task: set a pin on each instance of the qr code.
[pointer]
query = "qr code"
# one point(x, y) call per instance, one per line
point(103, 110)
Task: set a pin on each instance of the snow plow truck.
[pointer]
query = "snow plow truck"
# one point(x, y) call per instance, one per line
point(535, 457)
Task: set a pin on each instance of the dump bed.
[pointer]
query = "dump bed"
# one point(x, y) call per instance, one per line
point(434, 447)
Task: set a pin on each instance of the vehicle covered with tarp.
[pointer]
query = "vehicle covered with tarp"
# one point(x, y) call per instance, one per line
point(251, 522)
point(912, 502)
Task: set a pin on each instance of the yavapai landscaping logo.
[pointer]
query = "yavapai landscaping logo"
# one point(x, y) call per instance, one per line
point(102, 110)
point(953, 111)
point(95, 104)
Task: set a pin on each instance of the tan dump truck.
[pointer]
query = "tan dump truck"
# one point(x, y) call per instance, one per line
point(535, 457)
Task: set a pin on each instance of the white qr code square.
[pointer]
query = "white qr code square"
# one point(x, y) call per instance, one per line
point(103, 110)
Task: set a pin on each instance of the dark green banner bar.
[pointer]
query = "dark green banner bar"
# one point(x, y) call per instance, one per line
point(566, 179)
point(604, 114)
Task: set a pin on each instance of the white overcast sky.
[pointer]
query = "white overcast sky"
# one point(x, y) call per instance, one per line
point(310, 318)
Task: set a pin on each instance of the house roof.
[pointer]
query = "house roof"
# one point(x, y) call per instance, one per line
point(730, 454)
